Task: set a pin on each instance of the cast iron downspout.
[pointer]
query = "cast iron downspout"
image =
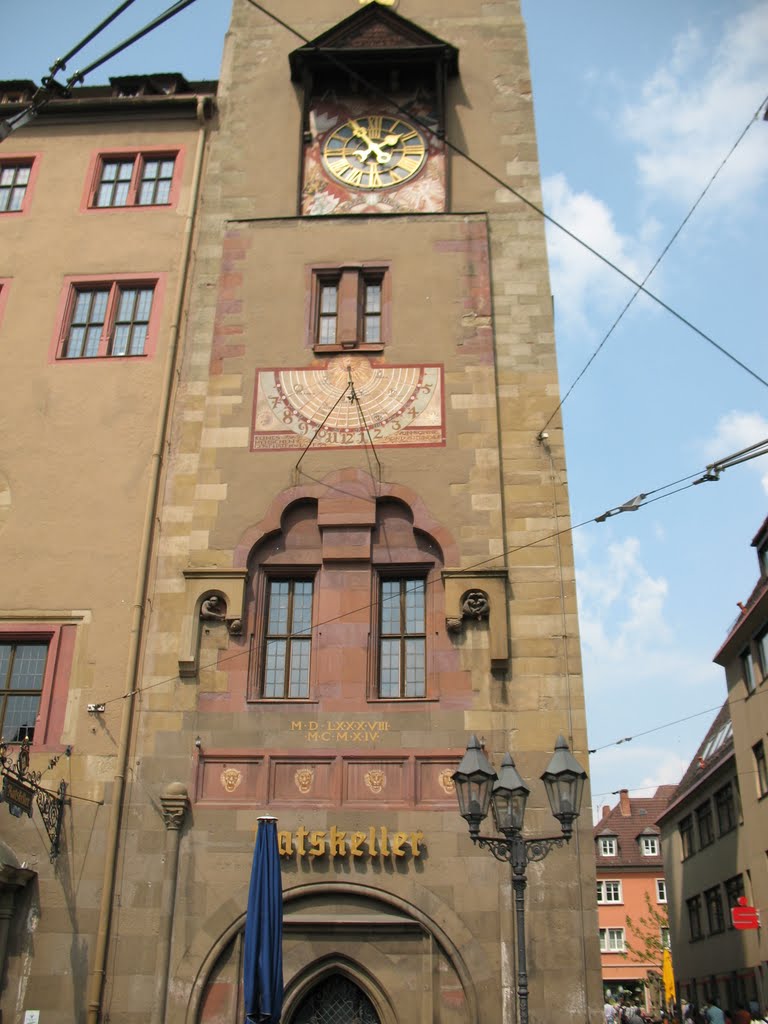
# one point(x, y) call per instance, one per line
point(98, 969)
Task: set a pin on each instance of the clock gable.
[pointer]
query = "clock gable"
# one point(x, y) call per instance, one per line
point(374, 114)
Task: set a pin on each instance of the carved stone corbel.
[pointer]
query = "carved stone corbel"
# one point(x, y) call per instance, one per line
point(213, 595)
point(478, 594)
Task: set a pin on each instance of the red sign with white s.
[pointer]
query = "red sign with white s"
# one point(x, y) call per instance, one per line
point(743, 916)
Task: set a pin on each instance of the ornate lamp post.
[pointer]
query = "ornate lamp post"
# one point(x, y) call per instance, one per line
point(478, 787)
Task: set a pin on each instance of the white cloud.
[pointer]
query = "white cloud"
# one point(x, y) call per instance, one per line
point(736, 430)
point(692, 110)
point(580, 279)
point(628, 643)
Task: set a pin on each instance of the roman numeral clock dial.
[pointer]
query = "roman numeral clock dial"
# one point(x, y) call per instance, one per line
point(374, 152)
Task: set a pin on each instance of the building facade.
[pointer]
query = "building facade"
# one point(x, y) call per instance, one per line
point(358, 557)
point(97, 205)
point(632, 898)
point(714, 830)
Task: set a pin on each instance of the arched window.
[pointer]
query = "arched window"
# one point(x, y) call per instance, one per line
point(336, 1000)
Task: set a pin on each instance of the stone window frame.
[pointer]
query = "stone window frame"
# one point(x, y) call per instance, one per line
point(74, 285)
point(350, 279)
point(761, 769)
point(734, 890)
point(267, 573)
point(695, 927)
point(687, 837)
point(60, 640)
point(139, 157)
point(727, 808)
point(704, 817)
point(713, 901)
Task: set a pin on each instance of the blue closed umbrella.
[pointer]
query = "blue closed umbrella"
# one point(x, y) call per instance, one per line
point(263, 955)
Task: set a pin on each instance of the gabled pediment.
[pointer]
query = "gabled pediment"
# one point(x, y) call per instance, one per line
point(374, 31)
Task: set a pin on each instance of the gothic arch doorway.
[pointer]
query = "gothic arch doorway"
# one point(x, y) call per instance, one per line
point(336, 1000)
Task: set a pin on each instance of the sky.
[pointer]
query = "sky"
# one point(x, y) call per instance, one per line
point(637, 106)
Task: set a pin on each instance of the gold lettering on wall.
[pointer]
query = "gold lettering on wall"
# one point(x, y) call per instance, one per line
point(378, 841)
point(340, 731)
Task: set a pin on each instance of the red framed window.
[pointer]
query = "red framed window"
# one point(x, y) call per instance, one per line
point(35, 666)
point(22, 670)
point(16, 181)
point(108, 318)
point(350, 307)
point(144, 178)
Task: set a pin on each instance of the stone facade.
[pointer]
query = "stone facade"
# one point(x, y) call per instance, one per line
point(413, 459)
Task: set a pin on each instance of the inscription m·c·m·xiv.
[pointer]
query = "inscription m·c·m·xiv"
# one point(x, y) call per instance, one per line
point(339, 731)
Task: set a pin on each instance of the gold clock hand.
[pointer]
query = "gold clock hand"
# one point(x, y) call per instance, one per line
point(373, 147)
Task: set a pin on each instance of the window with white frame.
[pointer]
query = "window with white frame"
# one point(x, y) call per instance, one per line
point(609, 892)
point(649, 846)
point(606, 846)
point(611, 940)
point(661, 890)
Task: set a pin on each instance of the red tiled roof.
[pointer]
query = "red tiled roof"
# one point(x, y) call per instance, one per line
point(640, 820)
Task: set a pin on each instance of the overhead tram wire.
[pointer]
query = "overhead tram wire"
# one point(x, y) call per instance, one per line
point(361, 417)
point(61, 63)
point(327, 416)
point(360, 79)
point(661, 256)
point(51, 88)
point(636, 504)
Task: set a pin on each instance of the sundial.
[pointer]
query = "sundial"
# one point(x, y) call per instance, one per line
point(385, 405)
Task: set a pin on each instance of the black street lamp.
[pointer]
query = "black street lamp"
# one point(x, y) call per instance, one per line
point(478, 786)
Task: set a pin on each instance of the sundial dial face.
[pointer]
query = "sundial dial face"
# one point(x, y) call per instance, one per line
point(395, 406)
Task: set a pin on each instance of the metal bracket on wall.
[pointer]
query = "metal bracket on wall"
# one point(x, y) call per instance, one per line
point(21, 785)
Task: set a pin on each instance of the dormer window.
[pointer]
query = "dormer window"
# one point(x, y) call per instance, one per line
point(649, 846)
point(606, 846)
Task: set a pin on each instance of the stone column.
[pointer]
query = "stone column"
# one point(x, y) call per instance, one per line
point(175, 801)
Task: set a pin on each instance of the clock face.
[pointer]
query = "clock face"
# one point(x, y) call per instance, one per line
point(374, 152)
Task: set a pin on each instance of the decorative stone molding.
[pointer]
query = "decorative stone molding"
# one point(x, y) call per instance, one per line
point(175, 801)
point(214, 595)
point(472, 595)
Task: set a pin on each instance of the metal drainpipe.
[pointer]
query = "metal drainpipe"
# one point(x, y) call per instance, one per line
point(98, 969)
